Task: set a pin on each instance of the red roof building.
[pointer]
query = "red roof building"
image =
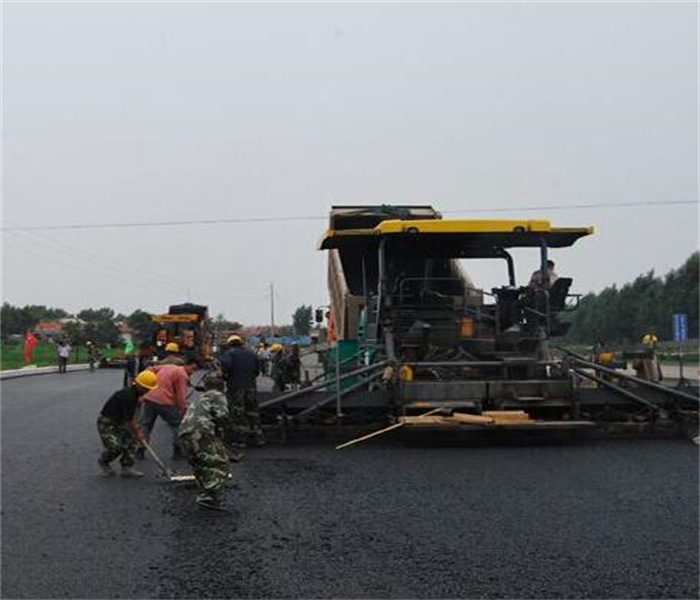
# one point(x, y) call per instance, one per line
point(49, 329)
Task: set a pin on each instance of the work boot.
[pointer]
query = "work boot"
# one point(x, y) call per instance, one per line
point(107, 470)
point(234, 456)
point(131, 472)
point(210, 503)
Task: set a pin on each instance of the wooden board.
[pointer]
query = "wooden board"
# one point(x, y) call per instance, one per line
point(508, 416)
point(472, 419)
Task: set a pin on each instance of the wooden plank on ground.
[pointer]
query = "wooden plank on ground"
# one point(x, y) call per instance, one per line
point(472, 419)
point(507, 416)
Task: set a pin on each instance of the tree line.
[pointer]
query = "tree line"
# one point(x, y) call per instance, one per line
point(99, 325)
point(102, 325)
point(622, 315)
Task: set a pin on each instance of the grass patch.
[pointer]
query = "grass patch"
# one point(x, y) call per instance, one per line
point(45, 355)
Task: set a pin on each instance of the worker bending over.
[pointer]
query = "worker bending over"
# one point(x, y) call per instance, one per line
point(201, 431)
point(240, 368)
point(168, 401)
point(117, 426)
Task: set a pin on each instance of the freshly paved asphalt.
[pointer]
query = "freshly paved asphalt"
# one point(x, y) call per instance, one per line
point(600, 519)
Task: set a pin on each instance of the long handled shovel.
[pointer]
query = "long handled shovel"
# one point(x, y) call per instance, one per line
point(169, 473)
point(166, 471)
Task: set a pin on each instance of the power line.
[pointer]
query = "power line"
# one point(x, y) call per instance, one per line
point(281, 219)
point(81, 268)
point(163, 223)
point(149, 280)
point(95, 266)
point(574, 206)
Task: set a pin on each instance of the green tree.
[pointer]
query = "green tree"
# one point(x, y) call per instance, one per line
point(16, 320)
point(646, 304)
point(140, 322)
point(100, 325)
point(75, 333)
point(301, 320)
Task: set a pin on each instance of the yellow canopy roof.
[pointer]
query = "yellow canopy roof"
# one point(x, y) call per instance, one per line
point(457, 237)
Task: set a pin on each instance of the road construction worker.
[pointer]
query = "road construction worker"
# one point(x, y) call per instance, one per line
point(277, 367)
point(93, 354)
point(168, 401)
point(145, 357)
point(63, 355)
point(172, 355)
point(131, 368)
point(263, 353)
point(292, 367)
point(650, 340)
point(240, 368)
point(117, 426)
point(201, 432)
point(537, 279)
point(648, 366)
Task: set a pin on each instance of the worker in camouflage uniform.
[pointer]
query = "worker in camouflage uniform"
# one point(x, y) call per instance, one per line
point(240, 368)
point(200, 438)
point(277, 367)
point(93, 354)
point(117, 426)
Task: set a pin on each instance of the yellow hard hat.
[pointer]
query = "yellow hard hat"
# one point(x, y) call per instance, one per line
point(276, 347)
point(147, 379)
point(172, 347)
point(233, 339)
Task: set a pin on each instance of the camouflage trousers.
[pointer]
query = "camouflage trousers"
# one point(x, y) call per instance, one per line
point(208, 458)
point(244, 417)
point(117, 440)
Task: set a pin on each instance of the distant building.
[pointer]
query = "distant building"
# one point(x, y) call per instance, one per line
point(49, 330)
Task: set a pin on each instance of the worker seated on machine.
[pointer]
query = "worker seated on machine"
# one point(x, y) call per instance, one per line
point(537, 279)
point(558, 288)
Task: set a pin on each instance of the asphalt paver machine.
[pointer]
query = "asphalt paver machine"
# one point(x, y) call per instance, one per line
point(434, 350)
point(187, 325)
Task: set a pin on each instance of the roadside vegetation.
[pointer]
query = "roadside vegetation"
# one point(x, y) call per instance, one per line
point(621, 316)
point(45, 355)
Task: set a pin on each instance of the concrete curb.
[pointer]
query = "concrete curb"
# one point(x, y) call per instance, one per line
point(27, 371)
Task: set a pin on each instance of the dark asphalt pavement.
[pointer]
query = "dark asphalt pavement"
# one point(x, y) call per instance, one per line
point(600, 519)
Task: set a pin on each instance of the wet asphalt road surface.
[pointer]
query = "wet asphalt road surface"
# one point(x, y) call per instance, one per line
point(600, 519)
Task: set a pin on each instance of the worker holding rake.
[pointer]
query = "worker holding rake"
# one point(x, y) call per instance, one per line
point(200, 439)
point(117, 426)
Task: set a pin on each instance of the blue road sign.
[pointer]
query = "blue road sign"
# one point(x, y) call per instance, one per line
point(680, 327)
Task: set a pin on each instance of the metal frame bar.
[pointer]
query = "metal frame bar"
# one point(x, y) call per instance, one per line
point(323, 384)
point(328, 399)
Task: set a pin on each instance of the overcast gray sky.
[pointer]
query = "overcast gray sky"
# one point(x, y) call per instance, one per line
point(122, 112)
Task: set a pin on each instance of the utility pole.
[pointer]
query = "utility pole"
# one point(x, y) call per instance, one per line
point(272, 309)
